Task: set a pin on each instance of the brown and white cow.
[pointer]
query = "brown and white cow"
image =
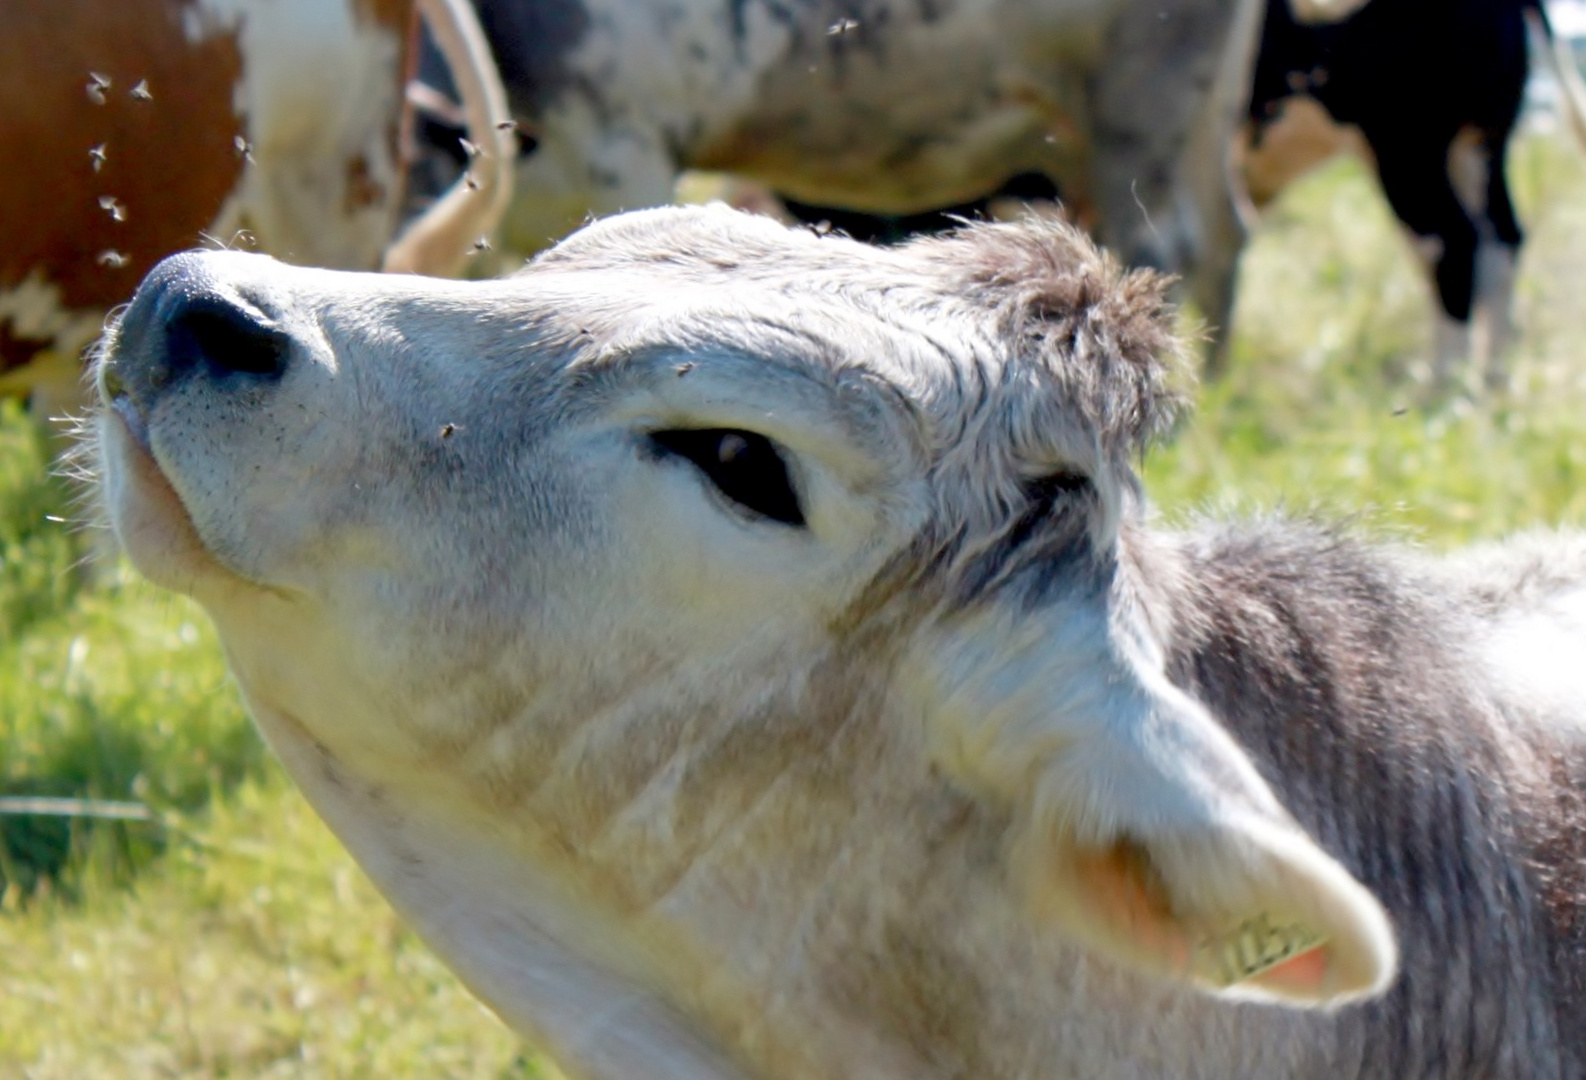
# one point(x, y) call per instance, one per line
point(133, 129)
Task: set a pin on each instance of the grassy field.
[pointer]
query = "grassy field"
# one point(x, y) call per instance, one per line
point(232, 938)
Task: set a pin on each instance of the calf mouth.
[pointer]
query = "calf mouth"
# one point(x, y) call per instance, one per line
point(150, 520)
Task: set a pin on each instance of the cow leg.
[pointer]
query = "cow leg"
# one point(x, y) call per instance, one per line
point(1211, 282)
point(1211, 203)
point(1496, 268)
point(1415, 178)
point(1163, 111)
point(1152, 215)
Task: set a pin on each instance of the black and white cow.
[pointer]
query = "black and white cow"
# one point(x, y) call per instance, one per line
point(1430, 91)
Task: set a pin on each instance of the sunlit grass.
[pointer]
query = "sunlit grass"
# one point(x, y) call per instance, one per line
point(234, 938)
point(111, 692)
point(253, 948)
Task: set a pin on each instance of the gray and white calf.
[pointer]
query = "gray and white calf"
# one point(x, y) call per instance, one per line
point(746, 654)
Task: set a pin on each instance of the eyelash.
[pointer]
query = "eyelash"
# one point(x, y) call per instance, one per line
point(744, 466)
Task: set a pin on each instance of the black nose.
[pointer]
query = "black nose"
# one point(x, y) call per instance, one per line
point(221, 337)
point(195, 317)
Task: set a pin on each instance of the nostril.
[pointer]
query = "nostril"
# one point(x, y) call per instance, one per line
point(217, 336)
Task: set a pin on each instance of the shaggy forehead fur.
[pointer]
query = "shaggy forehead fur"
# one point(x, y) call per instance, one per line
point(1040, 353)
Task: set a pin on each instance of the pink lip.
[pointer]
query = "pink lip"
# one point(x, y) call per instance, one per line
point(150, 518)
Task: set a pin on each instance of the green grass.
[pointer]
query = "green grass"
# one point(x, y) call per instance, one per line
point(253, 948)
point(234, 938)
point(111, 692)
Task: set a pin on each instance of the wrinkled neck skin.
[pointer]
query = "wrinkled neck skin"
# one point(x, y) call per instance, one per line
point(648, 893)
point(592, 895)
point(493, 893)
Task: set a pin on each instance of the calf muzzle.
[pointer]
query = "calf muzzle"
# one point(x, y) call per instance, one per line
point(182, 324)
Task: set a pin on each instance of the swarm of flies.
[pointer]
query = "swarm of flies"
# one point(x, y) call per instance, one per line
point(97, 87)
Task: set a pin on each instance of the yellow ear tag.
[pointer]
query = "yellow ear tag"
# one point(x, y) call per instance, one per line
point(1285, 954)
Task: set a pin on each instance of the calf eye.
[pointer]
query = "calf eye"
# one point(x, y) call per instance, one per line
point(744, 466)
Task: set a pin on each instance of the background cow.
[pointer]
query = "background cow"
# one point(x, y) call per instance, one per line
point(1429, 92)
point(1437, 84)
point(1126, 106)
point(743, 653)
point(138, 128)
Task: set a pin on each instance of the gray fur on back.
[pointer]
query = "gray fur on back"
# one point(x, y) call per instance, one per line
point(1350, 674)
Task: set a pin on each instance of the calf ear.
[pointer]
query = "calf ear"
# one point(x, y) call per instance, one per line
point(1140, 827)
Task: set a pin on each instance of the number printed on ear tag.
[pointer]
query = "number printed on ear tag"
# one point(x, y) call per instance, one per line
point(1256, 946)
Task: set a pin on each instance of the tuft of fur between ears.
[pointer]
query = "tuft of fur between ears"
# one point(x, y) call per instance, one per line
point(1105, 335)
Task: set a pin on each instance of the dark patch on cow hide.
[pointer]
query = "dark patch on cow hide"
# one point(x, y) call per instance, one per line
point(17, 350)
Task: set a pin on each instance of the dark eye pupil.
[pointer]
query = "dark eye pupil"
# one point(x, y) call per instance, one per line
point(744, 466)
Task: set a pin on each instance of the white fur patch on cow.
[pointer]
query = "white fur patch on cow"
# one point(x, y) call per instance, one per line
point(34, 311)
point(1537, 654)
point(315, 105)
